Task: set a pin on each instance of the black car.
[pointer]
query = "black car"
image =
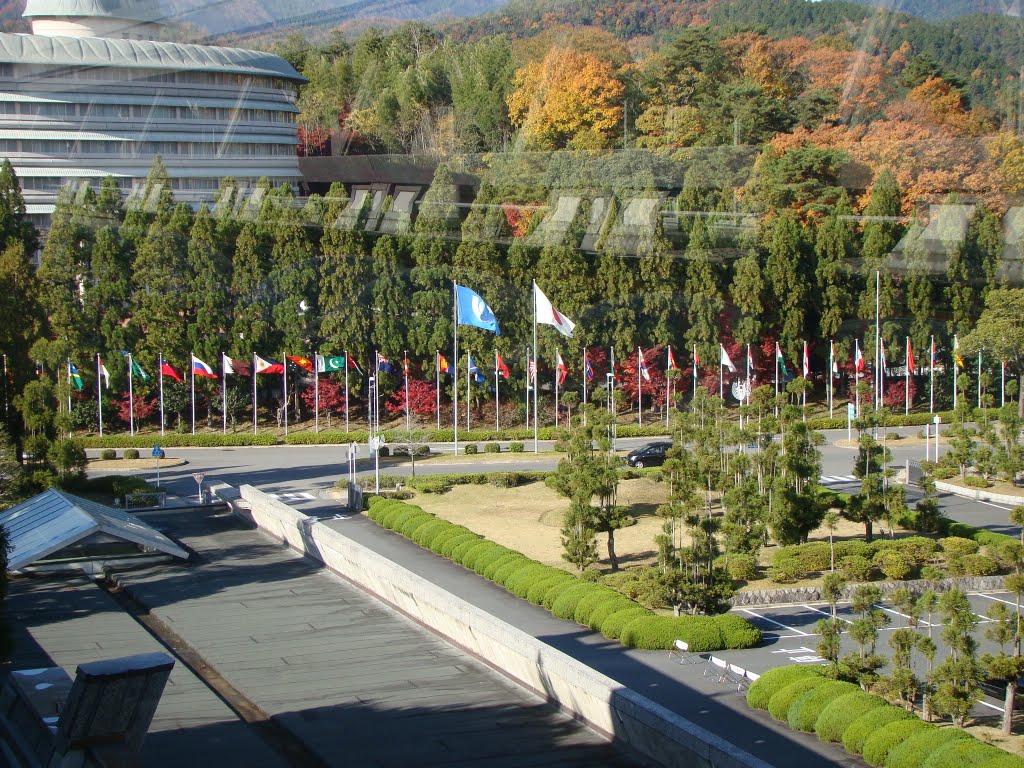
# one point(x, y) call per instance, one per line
point(650, 455)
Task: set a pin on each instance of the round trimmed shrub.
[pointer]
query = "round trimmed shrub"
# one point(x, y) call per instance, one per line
point(918, 548)
point(612, 626)
point(958, 546)
point(742, 567)
point(894, 565)
point(878, 745)
point(774, 680)
point(606, 609)
point(957, 754)
point(855, 547)
point(443, 537)
point(549, 598)
point(501, 572)
point(413, 522)
point(855, 568)
point(660, 633)
point(470, 554)
point(737, 632)
point(1003, 761)
point(840, 713)
point(701, 633)
point(471, 449)
point(491, 568)
point(538, 588)
point(786, 572)
point(972, 565)
point(779, 704)
point(520, 580)
point(131, 453)
point(108, 454)
point(492, 448)
point(805, 711)
point(425, 533)
point(565, 606)
point(858, 731)
point(448, 548)
point(515, 447)
point(919, 747)
point(590, 601)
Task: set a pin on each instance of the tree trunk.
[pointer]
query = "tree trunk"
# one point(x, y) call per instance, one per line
point(611, 550)
point(868, 531)
point(1011, 695)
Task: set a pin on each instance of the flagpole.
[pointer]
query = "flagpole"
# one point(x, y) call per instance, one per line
point(906, 394)
point(1002, 385)
point(831, 376)
point(805, 366)
point(376, 397)
point(557, 374)
point(694, 370)
point(497, 401)
point(437, 385)
point(528, 384)
point(536, 376)
point(99, 393)
point(254, 393)
point(408, 426)
point(160, 358)
point(612, 399)
point(316, 391)
point(284, 364)
point(931, 376)
point(346, 390)
point(878, 340)
point(223, 395)
point(469, 357)
point(455, 368)
point(956, 364)
point(721, 375)
point(192, 369)
point(668, 385)
point(856, 376)
point(584, 386)
point(777, 378)
point(131, 401)
point(639, 389)
point(979, 378)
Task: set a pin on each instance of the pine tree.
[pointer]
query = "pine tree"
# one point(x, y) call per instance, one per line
point(109, 298)
point(251, 327)
point(834, 249)
point(747, 292)
point(659, 276)
point(618, 285)
point(477, 265)
point(156, 201)
point(881, 234)
point(432, 261)
point(786, 278)
point(390, 299)
point(14, 222)
point(346, 282)
point(293, 276)
point(920, 287)
point(701, 293)
point(562, 273)
point(23, 324)
point(210, 289)
point(63, 266)
point(160, 295)
point(961, 274)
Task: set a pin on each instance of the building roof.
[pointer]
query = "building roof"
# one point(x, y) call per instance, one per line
point(140, 10)
point(141, 54)
point(53, 520)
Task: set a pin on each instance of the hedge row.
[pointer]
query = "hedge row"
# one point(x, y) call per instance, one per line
point(115, 486)
point(563, 594)
point(175, 440)
point(884, 735)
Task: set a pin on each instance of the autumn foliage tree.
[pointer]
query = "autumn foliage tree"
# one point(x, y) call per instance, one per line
point(567, 99)
point(422, 399)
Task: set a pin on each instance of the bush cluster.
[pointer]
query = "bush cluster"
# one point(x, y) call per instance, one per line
point(442, 482)
point(131, 453)
point(108, 454)
point(565, 595)
point(492, 448)
point(202, 440)
point(886, 736)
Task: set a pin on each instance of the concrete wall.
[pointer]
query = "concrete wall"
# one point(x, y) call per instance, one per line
point(980, 494)
point(645, 726)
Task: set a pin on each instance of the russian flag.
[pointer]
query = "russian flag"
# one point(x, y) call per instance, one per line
point(199, 368)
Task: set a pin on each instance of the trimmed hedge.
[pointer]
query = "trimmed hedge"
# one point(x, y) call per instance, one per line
point(866, 725)
point(960, 753)
point(805, 711)
point(774, 680)
point(779, 704)
point(839, 714)
point(326, 437)
point(878, 745)
point(179, 441)
point(920, 746)
point(564, 594)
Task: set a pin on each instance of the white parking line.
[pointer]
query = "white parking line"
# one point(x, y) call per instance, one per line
point(990, 504)
point(825, 613)
point(997, 599)
point(922, 622)
point(990, 706)
point(776, 623)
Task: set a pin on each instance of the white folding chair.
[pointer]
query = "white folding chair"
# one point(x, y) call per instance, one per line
point(681, 650)
point(739, 675)
point(719, 668)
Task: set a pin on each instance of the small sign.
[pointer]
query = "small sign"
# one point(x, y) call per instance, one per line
point(157, 451)
point(376, 443)
point(851, 412)
point(198, 477)
point(938, 419)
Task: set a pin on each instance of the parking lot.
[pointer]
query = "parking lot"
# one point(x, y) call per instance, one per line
point(790, 637)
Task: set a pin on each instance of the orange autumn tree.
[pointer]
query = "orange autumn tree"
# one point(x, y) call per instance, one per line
point(569, 99)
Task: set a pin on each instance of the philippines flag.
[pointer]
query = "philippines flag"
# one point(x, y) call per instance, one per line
point(642, 364)
point(199, 368)
point(268, 366)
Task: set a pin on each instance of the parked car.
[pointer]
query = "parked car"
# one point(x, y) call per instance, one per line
point(650, 455)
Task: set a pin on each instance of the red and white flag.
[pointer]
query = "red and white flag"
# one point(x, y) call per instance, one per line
point(562, 369)
point(548, 315)
point(807, 362)
point(532, 372)
point(726, 360)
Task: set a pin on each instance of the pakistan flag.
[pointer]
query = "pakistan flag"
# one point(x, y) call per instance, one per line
point(327, 364)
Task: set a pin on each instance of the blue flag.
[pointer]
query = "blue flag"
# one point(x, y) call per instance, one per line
point(474, 311)
point(471, 366)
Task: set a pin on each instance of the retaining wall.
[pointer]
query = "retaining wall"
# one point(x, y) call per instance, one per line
point(609, 707)
point(979, 494)
point(916, 587)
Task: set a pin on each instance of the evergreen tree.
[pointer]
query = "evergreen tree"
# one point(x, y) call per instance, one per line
point(109, 298)
point(210, 289)
point(346, 282)
point(155, 201)
point(659, 277)
point(747, 292)
point(786, 279)
point(250, 296)
point(834, 251)
point(563, 274)
point(920, 288)
point(619, 287)
point(292, 277)
point(23, 324)
point(63, 266)
point(961, 274)
point(881, 234)
point(520, 269)
point(160, 296)
point(701, 293)
point(391, 309)
point(432, 261)
point(14, 222)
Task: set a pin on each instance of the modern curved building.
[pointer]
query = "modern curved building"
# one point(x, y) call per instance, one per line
point(94, 92)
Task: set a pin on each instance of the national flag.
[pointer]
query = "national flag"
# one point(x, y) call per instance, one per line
point(560, 366)
point(858, 360)
point(303, 362)
point(136, 369)
point(750, 358)
point(326, 363)
point(105, 374)
point(353, 364)
point(956, 353)
point(74, 377)
point(935, 353)
point(167, 370)
point(781, 361)
point(548, 315)
point(473, 310)
point(235, 367)
point(471, 366)
point(532, 371)
point(910, 357)
point(227, 364)
point(642, 365)
point(807, 362)
point(199, 368)
point(405, 365)
point(384, 365)
point(725, 360)
point(500, 367)
point(268, 366)
point(671, 364)
point(832, 355)
point(588, 369)
point(443, 365)
point(881, 359)
point(696, 356)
